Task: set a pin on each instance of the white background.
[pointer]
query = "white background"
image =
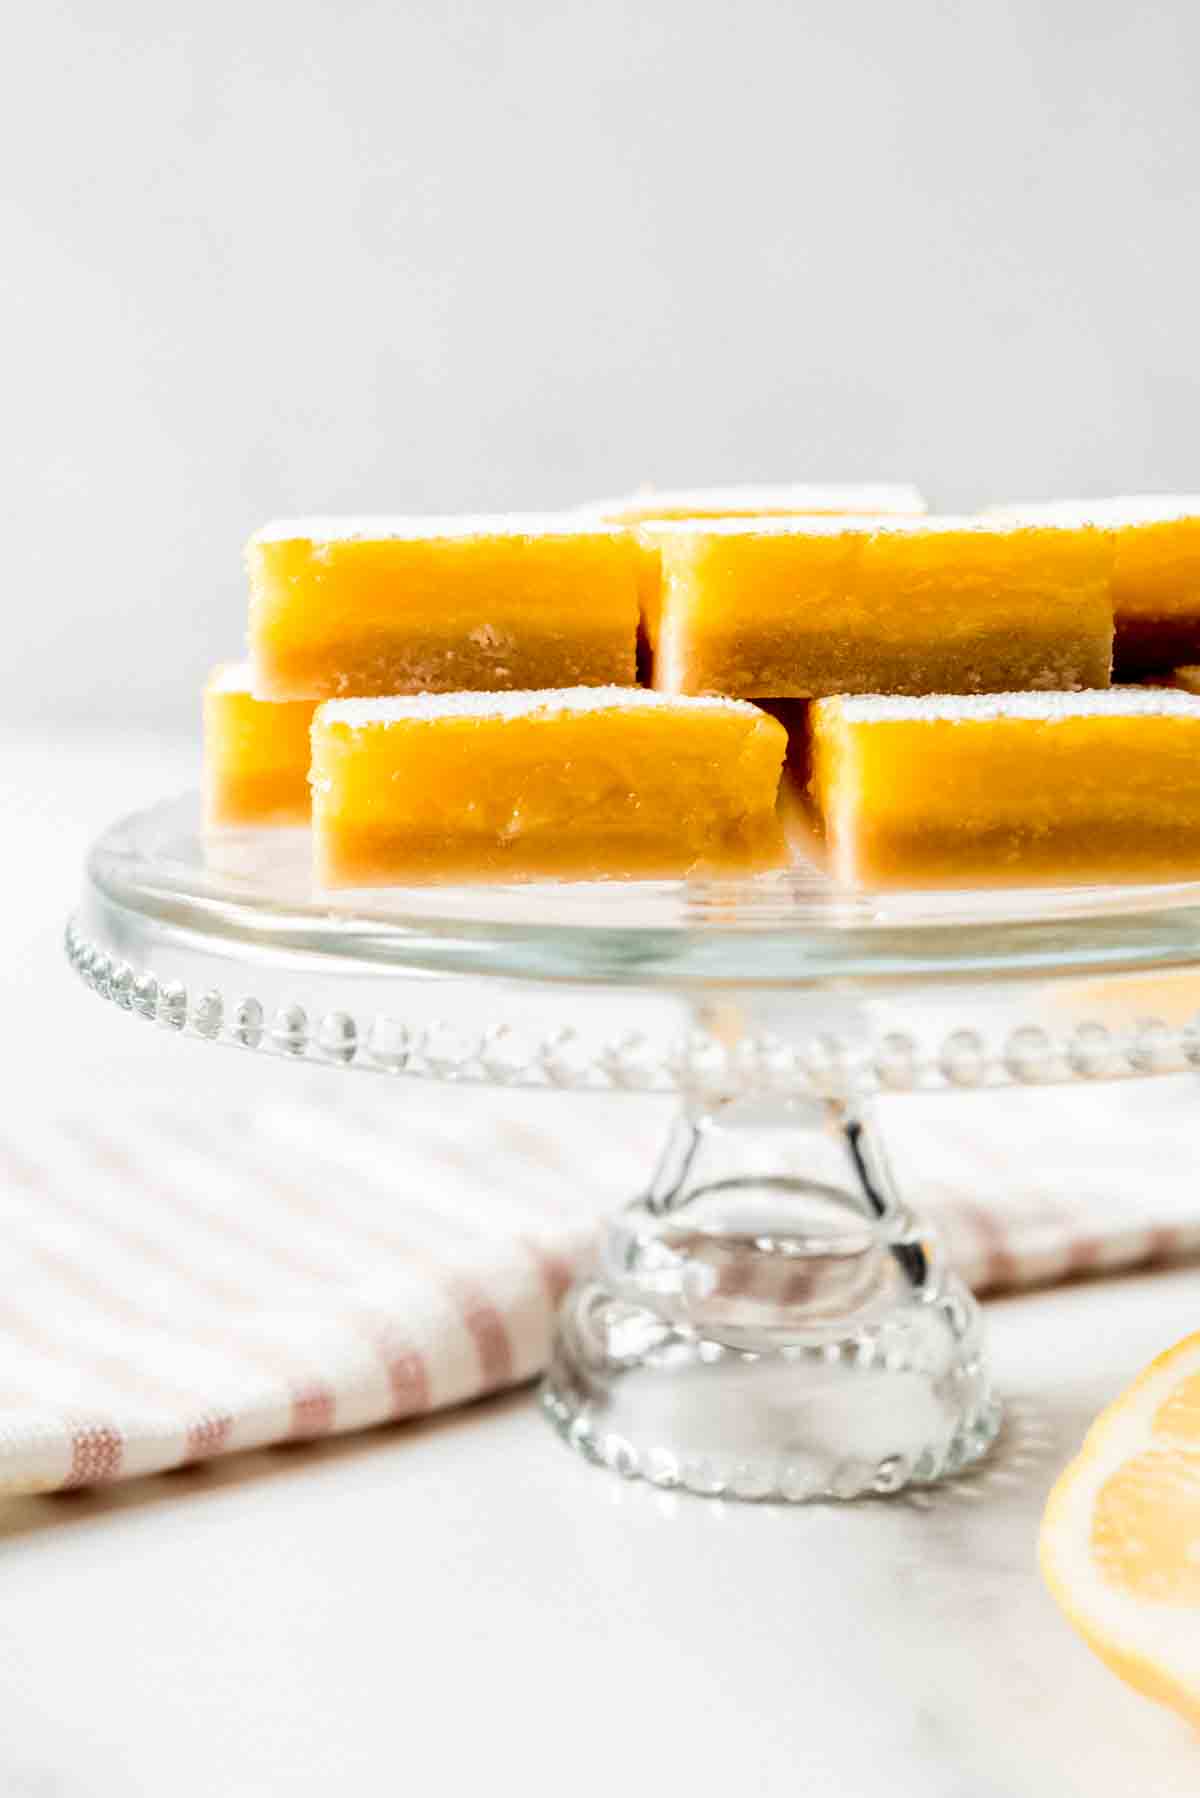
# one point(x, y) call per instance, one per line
point(298, 254)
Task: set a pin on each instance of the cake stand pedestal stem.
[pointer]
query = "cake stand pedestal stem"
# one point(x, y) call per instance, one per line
point(769, 1320)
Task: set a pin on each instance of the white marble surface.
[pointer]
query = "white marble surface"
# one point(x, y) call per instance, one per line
point(462, 1603)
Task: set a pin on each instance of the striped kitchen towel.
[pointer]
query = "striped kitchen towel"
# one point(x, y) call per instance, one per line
point(185, 1283)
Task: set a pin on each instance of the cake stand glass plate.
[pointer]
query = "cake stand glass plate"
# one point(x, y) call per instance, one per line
point(767, 1318)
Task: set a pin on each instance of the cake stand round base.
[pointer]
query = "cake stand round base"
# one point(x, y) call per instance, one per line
point(757, 1334)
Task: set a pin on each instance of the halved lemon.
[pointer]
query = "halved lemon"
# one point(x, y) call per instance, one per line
point(1120, 1538)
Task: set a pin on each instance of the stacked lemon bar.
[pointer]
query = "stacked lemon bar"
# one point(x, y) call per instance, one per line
point(662, 685)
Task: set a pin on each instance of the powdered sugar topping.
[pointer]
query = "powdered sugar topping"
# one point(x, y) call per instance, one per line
point(430, 707)
point(1049, 708)
point(231, 677)
point(869, 497)
point(416, 529)
point(1126, 512)
point(992, 524)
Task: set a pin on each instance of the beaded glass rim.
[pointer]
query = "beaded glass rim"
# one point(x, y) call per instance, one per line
point(700, 1062)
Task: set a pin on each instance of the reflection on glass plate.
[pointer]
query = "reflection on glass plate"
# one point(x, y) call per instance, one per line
point(792, 928)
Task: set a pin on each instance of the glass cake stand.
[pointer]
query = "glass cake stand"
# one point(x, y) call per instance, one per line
point(768, 1318)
